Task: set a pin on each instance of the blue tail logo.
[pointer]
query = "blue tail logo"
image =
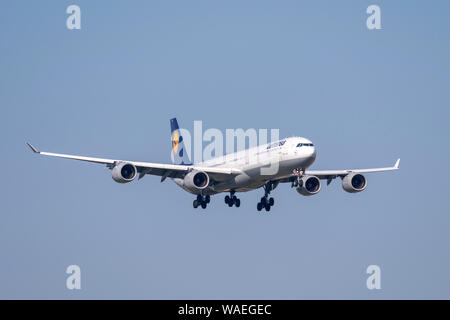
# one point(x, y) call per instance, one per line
point(178, 150)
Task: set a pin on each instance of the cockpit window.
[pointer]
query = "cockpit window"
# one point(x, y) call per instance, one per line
point(305, 144)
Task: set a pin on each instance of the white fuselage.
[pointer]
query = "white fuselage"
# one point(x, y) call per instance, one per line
point(260, 164)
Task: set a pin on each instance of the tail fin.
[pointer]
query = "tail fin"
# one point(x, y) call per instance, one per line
point(179, 153)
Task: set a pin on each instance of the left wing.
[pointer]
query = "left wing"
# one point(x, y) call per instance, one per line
point(325, 174)
point(329, 175)
point(143, 168)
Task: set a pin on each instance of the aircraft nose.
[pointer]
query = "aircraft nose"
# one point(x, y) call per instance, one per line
point(313, 153)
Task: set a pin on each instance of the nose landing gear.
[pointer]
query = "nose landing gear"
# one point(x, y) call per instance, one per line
point(232, 200)
point(298, 173)
point(201, 201)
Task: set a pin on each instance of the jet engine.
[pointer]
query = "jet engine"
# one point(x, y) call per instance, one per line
point(308, 185)
point(124, 172)
point(196, 180)
point(354, 182)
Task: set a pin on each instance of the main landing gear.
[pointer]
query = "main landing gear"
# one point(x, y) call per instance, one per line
point(232, 199)
point(201, 201)
point(266, 202)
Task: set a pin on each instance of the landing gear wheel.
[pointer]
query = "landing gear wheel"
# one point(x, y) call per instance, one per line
point(259, 206)
point(231, 199)
point(202, 201)
point(266, 202)
point(263, 201)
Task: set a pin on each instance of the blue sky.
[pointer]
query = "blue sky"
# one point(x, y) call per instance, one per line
point(309, 68)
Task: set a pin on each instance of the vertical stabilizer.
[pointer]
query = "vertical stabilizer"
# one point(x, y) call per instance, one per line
point(179, 153)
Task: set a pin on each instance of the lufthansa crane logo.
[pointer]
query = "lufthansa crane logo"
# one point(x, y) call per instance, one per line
point(175, 141)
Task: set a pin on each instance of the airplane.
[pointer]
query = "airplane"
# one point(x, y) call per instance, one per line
point(238, 172)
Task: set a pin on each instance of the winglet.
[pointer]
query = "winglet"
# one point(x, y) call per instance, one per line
point(32, 148)
point(397, 163)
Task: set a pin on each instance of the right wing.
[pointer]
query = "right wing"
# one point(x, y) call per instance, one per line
point(143, 168)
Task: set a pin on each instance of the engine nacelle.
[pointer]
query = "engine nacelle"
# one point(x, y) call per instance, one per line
point(308, 185)
point(354, 182)
point(196, 180)
point(124, 172)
